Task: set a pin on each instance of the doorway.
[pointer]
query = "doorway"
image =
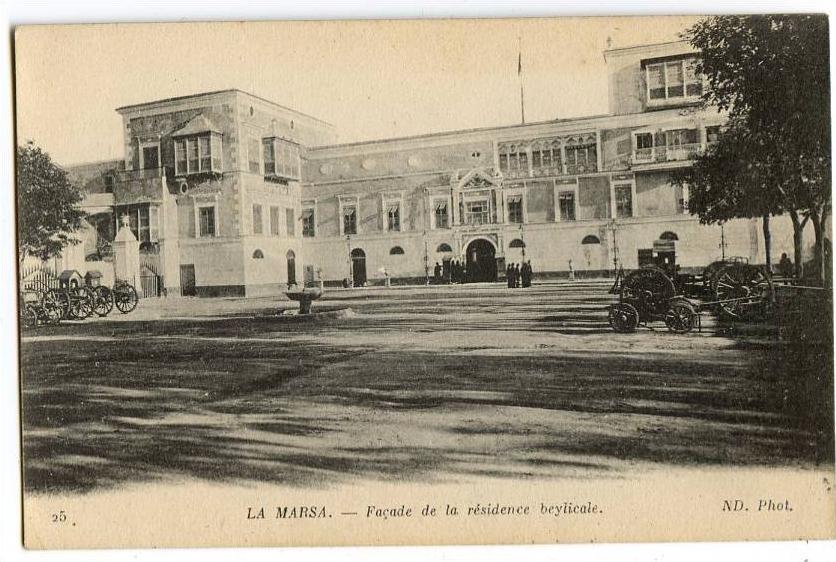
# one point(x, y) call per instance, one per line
point(291, 267)
point(187, 281)
point(481, 261)
point(358, 267)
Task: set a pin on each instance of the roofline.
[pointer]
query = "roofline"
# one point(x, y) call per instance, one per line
point(90, 163)
point(126, 108)
point(646, 46)
point(457, 132)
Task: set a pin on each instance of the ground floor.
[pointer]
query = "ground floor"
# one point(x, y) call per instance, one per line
point(581, 249)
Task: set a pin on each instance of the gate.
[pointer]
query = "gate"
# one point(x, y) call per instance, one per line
point(187, 281)
point(150, 281)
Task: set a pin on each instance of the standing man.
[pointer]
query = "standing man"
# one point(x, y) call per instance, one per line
point(517, 276)
point(509, 275)
point(437, 274)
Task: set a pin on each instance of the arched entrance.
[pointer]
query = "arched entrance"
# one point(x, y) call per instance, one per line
point(291, 267)
point(358, 267)
point(481, 261)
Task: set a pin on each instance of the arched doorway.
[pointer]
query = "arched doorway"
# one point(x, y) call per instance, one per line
point(481, 261)
point(291, 267)
point(358, 267)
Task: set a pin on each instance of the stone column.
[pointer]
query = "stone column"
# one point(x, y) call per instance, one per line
point(126, 254)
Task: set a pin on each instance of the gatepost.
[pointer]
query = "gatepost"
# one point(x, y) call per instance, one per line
point(126, 254)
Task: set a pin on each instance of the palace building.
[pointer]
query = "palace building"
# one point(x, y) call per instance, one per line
point(231, 194)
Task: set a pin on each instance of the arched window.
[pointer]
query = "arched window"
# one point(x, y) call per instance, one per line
point(591, 239)
point(258, 255)
point(516, 243)
point(396, 251)
point(668, 235)
point(358, 253)
point(443, 247)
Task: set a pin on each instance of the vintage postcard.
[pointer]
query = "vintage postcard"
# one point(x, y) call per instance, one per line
point(419, 282)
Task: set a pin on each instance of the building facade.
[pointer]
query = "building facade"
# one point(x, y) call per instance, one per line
point(230, 194)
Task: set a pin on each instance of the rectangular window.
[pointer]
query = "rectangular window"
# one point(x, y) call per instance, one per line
point(291, 222)
point(274, 221)
point(253, 155)
point(442, 218)
point(205, 154)
point(393, 217)
point(194, 158)
point(308, 224)
point(644, 141)
point(144, 225)
point(150, 157)
point(515, 209)
point(693, 81)
point(269, 157)
point(566, 200)
point(477, 212)
point(258, 221)
point(623, 201)
point(154, 223)
point(206, 216)
point(180, 166)
point(581, 159)
point(350, 220)
point(712, 134)
point(674, 79)
point(109, 183)
point(656, 81)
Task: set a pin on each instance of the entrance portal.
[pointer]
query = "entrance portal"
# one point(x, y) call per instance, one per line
point(481, 261)
point(358, 267)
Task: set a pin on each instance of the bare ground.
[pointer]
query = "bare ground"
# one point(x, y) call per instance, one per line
point(420, 384)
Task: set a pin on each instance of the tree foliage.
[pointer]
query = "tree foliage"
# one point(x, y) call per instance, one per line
point(771, 74)
point(48, 210)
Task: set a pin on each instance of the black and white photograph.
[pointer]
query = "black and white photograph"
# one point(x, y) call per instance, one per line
point(425, 281)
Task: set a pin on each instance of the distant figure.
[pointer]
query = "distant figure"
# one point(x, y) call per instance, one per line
point(509, 275)
point(525, 272)
point(454, 271)
point(785, 267)
point(446, 266)
point(517, 276)
point(437, 274)
point(387, 279)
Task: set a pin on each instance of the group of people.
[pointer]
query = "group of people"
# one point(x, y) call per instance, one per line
point(519, 275)
point(449, 271)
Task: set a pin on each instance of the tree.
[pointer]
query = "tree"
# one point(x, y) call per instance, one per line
point(771, 73)
point(47, 205)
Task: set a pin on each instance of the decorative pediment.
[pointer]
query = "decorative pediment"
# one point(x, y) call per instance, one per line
point(199, 124)
point(208, 190)
point(478, 178)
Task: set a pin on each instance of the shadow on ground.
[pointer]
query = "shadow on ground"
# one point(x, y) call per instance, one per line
point(245, 399)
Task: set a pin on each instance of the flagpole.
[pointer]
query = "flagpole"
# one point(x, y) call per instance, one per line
point(519, 74)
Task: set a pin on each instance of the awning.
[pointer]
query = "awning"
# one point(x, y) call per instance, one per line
point(441, 205)
point(307, 213)
point(393, 208)
point(514, 198)
point(349, 211)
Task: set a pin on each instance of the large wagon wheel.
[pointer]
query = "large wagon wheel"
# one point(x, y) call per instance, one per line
point(53, 306)
point(709, 274)
point(102, 300)
point(125, 297)
point(81, 303)
point(648, 289)
point(59, 298)
point(748, 288)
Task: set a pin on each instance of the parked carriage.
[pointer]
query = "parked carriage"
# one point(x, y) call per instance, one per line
point(733, 288)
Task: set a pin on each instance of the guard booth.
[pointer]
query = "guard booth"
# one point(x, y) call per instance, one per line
point(664, 256)
point(93, 278)
point(70, 279)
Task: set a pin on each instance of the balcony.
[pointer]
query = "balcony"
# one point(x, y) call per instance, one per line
point(661, 154)
point(139, 186)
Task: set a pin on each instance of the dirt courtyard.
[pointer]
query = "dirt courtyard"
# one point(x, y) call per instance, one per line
point(431, 384)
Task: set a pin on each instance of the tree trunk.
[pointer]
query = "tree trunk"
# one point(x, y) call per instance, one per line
point(818, 229)
point(797, 242)
point(767, 243)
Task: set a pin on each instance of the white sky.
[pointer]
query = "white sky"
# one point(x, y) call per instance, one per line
point(370, 79)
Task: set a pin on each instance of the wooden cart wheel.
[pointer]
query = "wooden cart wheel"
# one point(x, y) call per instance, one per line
point(103, 300)
point(681, 317)
point(61, 299)
point(125, 297)
point(623, 317)
point(28, 316)
point(648, 289)
point(748, 287)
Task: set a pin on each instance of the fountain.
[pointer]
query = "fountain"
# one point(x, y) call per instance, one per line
point(304, 296)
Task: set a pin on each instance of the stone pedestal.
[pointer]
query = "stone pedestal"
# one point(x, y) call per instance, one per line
point(126, 256)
